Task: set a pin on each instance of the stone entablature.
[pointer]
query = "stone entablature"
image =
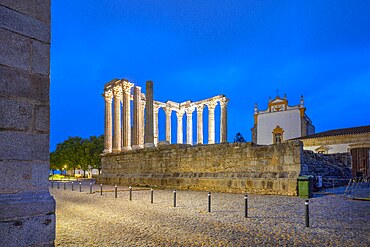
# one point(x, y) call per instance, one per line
point(118, 137)
point(226, 167)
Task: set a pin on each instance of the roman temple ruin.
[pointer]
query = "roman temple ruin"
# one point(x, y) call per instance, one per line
point(121, 136)
point(134, 156)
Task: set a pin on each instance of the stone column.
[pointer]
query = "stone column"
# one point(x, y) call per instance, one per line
point(137, 118)
point(142, 122)
point(200, 124)
point(180, 138)
point(155, 119)
point(211, 121)
point(117, 94)
point(126, 115)
point(168, 112)
point(189, 126)
point(108, 97)
point(149, 131)
point(223, 126)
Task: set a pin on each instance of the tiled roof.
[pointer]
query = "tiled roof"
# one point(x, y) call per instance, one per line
point(340, 132)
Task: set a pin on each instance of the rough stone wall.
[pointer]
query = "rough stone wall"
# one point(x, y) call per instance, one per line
point(226, 167)
point(26, 208)
point(332, 167)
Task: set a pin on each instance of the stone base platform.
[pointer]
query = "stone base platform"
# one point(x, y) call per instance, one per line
point(226, 167)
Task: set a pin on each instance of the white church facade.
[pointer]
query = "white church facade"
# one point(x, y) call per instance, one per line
point(280, 122)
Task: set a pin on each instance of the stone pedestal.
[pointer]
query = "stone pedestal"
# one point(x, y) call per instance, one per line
point(27, 210)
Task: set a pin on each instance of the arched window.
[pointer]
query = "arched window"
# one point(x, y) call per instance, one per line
point(277, 135)
point(322, 150)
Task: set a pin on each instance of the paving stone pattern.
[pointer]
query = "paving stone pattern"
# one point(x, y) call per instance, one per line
point(85, 219)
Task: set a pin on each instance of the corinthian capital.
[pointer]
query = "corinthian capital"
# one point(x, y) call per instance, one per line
point(224, 101)
point(117, 91)
point(180, 113)
point(212, 104)
point(189, 110)
point(200, 108)
point(168, 110)
point(126, 87)
point(108, 95)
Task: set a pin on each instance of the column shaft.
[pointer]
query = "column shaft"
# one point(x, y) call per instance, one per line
point(211, 122)
point(168, 124)
point(180, 138)
point(117, 92)
point(142, 123)
point(108, 122)
point(149, 131)
point(200, 124)
point(155, 119)
point(137, 118)
point(126, 115)
point(223, 125)
point(189, 127)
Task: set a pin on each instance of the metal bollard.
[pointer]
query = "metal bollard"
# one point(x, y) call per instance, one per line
point(90, 188)
point(151, 196)
point(73, 188)
point(58, 185)
point(246, 206)
point(209, 202)
point(64, 186)
point(174, 198)
point(101, 189)
point(130, 193)
point(307, 213)
point(80, 188)
point(115, 191)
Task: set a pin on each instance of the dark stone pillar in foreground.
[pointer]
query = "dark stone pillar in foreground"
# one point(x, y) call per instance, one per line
point(149, 130)
point(27, 210)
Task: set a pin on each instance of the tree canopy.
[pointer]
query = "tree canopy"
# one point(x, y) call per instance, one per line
point(77, 152)
point(239, 138)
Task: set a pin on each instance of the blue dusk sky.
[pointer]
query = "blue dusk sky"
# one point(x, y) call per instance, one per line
point(193, 49)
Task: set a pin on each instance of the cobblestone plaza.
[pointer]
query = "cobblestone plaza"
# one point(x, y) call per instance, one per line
point(86, 219)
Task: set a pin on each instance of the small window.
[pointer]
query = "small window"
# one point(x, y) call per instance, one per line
point(277, 135)
point(277, 138)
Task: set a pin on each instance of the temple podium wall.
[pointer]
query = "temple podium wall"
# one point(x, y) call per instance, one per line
point(225, 167)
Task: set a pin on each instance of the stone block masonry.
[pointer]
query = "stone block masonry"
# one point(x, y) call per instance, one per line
point(225, 167)
point(27, 210)
point(335, 169)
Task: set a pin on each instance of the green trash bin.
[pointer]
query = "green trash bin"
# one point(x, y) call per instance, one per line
point(305, 186)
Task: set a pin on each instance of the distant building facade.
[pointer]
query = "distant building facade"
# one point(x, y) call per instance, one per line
point(355, 140)
point(280, 122)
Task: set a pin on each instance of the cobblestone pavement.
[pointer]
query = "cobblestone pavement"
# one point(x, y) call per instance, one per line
point(85, 219)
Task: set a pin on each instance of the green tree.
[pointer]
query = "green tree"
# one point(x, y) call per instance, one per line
point(239, 138)
point(76, 152)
